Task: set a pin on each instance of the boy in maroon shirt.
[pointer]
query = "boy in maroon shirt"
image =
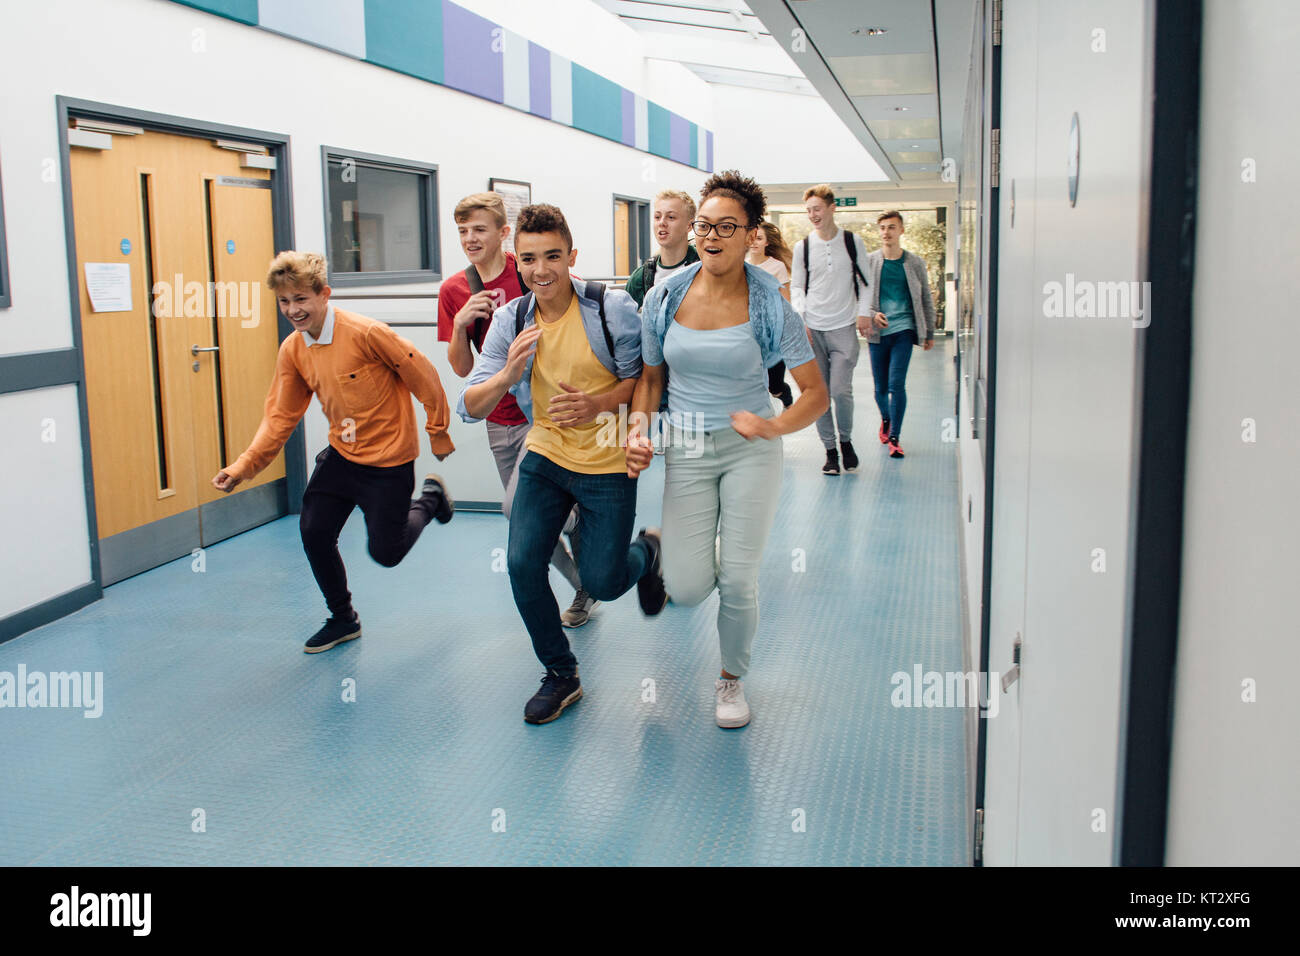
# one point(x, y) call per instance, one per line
point(466, 302)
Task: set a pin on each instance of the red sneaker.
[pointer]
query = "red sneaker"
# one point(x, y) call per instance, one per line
point(884, 432)
point(895, 449)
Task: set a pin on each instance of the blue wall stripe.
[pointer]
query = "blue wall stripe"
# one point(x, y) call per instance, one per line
point(245, 11)
point(597, 104)
point(406, 36)
point(657, 120)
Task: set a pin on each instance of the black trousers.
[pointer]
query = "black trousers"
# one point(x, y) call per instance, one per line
point(393, 520)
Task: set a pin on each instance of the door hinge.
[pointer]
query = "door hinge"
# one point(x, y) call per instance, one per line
point(997, 22)
point(979, 836)
point(995, 157)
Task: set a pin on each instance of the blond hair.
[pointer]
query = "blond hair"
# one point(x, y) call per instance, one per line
point(822, 191)
point(492, 202)
point(297, 269)
point(685, 198)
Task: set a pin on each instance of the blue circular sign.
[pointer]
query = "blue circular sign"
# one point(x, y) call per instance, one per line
point(230, 247)
point(126, 247)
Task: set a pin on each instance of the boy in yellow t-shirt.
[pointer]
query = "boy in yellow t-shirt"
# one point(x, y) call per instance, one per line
point(568, 351)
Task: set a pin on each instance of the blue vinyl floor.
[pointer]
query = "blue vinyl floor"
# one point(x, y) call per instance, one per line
point(210, 704)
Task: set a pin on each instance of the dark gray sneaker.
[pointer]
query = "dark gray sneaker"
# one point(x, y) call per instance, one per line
point(436, 499)
point(580, 610)
point(335, 632)
point(650, 589)
point(556, 693)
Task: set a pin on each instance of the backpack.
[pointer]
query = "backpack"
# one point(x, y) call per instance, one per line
point(476, 286)
point(853, 260)
point(594, 290)
point(648, 273)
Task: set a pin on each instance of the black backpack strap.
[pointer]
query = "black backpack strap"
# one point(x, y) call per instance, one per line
point(596, 290)
point(519, 277)
point(521, 310)
point(853, 261)
point(474, 279)
point(805, 265)
point(475, 286)
point(648, 273)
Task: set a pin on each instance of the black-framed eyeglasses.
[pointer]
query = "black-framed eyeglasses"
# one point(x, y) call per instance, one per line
point(725, 230)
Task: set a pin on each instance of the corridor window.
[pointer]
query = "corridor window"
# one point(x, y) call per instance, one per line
point(380, 216)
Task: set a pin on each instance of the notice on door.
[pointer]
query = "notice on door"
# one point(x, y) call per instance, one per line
point(109, 286)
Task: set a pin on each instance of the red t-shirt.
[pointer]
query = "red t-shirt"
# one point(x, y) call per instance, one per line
point(453, 295)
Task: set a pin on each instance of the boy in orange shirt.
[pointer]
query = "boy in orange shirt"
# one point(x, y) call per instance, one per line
point(364, 374)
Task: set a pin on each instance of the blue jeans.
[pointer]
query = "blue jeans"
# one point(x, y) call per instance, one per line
point(889, 360)
point(607, 563)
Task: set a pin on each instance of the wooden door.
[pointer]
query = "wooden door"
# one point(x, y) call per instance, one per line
point(622, 230)
point(195, 233)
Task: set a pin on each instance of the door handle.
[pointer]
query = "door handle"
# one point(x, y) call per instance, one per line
point(195, 350)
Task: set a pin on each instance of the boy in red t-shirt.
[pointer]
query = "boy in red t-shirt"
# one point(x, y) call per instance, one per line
point(466, 302)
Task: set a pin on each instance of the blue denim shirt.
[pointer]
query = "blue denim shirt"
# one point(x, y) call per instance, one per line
point(773, 320)
point(624, 328)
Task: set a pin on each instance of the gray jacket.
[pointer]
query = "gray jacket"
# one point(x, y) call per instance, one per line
point(918, 284)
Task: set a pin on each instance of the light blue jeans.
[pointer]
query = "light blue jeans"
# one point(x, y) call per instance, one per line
point(718, 510)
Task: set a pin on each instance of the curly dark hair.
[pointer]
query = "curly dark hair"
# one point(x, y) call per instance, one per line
point(744, 190)
point(543, 217)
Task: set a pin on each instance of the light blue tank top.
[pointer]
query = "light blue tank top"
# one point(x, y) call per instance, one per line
point(714, 372)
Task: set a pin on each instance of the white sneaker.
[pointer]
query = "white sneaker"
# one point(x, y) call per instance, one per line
point(732, 708)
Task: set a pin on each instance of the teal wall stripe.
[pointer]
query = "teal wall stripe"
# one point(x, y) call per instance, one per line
point(406, 36)
point(695, 146)
point(597, 104)
point(657, 118)
point(245, 11)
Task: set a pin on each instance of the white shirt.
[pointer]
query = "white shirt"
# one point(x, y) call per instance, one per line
point(662, 272)
point(829, 303)
point(326, 330)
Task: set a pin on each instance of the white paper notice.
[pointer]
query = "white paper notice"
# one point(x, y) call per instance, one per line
point(109, 286)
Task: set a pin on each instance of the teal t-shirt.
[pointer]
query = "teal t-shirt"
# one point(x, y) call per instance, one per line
point(895, 299)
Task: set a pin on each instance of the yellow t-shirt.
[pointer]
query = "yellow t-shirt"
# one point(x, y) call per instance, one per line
point(565, 355)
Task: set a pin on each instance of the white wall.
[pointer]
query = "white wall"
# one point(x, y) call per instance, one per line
point(786, 138)
point(141, 54)
point(1235, 770)
point(46, 545)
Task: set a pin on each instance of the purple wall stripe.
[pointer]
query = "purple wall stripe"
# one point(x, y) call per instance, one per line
point(679, 139)
point(539, 80)
point(472, 59)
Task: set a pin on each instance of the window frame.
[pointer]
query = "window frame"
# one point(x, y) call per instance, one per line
point(347, 280)
point(641, 229)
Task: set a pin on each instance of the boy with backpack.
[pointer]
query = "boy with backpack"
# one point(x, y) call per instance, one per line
point(673, 213)
point(567, 351)
point(466, 302)
point(829, 290)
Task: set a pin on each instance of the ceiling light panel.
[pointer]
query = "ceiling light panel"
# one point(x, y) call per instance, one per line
point(902, 74)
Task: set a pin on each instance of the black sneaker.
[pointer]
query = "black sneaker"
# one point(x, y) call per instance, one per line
point(438, 502)
point(650, 589)
point(555, 694)
point(850, 456)
point(335, 632)
point(832, 466)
